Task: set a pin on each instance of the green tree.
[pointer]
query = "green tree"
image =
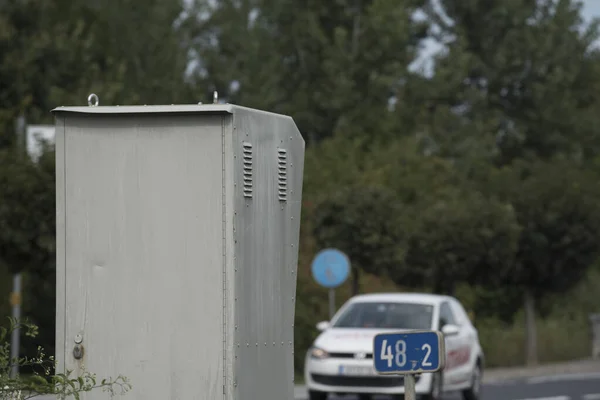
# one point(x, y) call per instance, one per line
point(333, 66)
point(27, 238)
point(375, 192)
point(361, 221)
point(401, 165)
point(27, 213)
point(518, 80)
point(523, 73)
point(126, 51)
point(556, 205)
point(467, 239)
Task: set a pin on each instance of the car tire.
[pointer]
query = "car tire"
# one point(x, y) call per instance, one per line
point(474, 391)
point(314, 395)
point(437, 388)
point(364, 397)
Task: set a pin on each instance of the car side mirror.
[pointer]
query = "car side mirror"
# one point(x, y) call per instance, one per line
point(323, 325)
point(450, 330)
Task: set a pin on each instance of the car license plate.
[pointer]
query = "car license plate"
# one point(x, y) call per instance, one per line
point(353, 370)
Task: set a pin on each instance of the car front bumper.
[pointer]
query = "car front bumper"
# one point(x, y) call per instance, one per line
point(343, 376)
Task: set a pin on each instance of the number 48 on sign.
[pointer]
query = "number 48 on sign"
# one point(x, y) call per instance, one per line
point(409, 352)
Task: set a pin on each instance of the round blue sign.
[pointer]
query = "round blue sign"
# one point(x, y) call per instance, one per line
point(330, 268)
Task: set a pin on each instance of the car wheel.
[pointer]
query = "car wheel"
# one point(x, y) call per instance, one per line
point(474, 392)
point(313, 395)
point(364, 397)
point(437, 386)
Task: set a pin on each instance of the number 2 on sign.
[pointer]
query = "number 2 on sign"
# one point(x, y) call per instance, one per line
point(400, 359)
point(427, 348)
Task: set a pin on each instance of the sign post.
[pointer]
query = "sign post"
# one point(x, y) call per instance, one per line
point(330, 268)
point(409, 353)
point(15, 302)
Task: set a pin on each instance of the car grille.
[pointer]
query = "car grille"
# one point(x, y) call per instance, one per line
point(358, 381)
point(348, 355)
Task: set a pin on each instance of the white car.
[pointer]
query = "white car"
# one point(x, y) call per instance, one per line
point(340, 360)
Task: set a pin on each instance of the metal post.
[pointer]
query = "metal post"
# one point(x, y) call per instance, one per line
point(409, 387)
point(16, 313)
point(331, 303)
point(21, 135)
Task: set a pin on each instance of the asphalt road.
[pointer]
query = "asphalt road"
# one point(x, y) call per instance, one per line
point(557, 387)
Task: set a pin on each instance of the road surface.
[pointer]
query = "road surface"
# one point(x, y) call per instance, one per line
point(584, 386)
point(555, 387)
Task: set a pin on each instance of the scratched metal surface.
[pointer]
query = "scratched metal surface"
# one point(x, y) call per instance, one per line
point(140, 257)
point(266, 235)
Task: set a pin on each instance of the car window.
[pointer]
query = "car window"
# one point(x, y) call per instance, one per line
point(446, 315)
point(386, 315)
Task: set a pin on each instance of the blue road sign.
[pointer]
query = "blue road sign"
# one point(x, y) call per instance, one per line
point(409, 352)
point(330, 268)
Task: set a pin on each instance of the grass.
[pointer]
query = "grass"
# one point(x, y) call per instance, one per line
point(298, 379)
point(559, 339)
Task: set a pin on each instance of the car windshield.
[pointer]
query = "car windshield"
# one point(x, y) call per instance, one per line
point(390, 315)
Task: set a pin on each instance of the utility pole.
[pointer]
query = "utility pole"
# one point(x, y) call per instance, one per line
point(21, 135)
point(15, 296)
point(15, 300)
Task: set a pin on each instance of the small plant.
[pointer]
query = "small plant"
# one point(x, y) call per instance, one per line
point(61, 385)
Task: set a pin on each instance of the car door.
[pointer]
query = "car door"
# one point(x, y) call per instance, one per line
point(467, 339)
point(453, 344)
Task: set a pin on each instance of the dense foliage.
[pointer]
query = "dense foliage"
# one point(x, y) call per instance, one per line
point(476, 177)
point(43, 380)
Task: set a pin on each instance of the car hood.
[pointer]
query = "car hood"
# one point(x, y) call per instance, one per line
point(350, 340)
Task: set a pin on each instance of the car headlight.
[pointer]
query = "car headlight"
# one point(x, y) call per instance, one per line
point(318, 353)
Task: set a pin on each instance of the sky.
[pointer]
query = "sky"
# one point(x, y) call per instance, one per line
point(591, 9)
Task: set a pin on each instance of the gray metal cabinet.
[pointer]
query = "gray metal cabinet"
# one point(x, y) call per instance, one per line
point(177, 248)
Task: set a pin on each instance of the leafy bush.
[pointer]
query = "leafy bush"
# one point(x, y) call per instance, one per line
point(559, 339)
point(61, 385)
point(563, 330)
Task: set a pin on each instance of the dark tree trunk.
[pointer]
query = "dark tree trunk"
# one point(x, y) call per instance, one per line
point(530, 329)
point(355, 281)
